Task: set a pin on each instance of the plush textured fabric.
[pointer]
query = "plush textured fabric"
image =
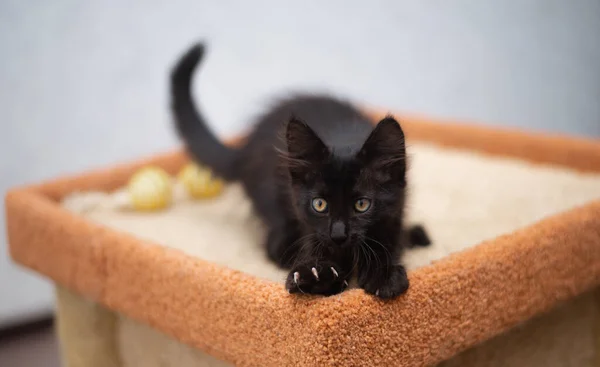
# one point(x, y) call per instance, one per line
point(566, 336)
point(459, 301)
point(224, 231)
point(456, 213)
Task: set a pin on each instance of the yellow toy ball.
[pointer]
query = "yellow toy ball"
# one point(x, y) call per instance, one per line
point(150, 188)
point(199, 182)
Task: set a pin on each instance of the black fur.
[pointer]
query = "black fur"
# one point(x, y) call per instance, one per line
point(417, 237)
point(202, 144)
point(309, 147)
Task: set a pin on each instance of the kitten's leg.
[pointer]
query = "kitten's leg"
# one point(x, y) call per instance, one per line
point(317, 277)
point(283, 244)
point(378, 271)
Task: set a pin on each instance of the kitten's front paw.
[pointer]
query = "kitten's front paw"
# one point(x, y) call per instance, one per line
point(390, 287)
point(324, 278)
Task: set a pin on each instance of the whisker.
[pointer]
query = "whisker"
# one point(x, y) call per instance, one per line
point(387, 251)
point(355, 260)
point(311, 249)
point(299, 242)
point(366, 255)
point(374, 253)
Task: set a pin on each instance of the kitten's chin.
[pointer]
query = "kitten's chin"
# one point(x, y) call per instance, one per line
point(346, 244)
point(336, 246)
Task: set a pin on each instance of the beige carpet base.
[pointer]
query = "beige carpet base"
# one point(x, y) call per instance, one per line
point(462, 198)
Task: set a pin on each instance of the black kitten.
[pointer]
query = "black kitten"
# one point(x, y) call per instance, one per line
point(328, 185)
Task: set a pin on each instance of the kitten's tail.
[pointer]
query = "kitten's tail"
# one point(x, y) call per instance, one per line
point(191, 126)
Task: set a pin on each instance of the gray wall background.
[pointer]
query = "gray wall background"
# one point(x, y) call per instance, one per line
point(83, 83)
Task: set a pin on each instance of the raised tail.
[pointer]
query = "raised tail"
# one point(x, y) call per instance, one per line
point(201, 143)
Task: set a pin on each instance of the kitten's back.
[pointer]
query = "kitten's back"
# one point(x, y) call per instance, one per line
point(340, 125)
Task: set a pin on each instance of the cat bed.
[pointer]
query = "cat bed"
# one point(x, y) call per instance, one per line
point(511, 278)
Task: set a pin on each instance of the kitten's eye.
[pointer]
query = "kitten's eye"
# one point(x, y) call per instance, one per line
point(362, 205)
point(319, 205)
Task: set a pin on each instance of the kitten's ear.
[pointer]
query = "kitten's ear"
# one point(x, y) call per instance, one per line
point(385, 149)
point(305, 150)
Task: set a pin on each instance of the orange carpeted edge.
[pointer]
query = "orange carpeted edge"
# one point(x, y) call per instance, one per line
point(457, 302)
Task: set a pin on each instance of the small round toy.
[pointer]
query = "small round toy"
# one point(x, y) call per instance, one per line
point(150, 188)
point(199, 182)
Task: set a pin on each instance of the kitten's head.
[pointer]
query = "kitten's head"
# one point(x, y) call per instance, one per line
point(339, 197)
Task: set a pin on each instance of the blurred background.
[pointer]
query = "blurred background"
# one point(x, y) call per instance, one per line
point(84, 83)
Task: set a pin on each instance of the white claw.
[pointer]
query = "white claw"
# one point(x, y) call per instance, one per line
point(377, 293)
point(345, 284)
point(315, 273)
point(334, 272)
point(296, 277)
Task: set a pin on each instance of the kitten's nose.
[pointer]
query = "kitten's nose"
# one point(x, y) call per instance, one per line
point(338, 232)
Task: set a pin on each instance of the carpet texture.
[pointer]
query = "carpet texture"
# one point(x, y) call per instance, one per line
point(544, 251)
point(461, 198)
point(458, 213)
point(566, 336)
